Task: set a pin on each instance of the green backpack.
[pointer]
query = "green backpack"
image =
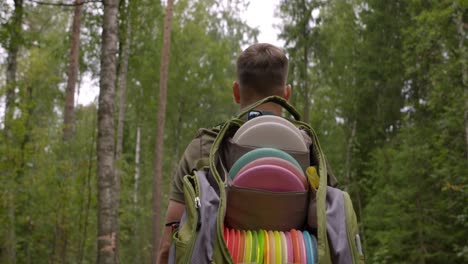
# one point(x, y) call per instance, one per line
point(199, 238)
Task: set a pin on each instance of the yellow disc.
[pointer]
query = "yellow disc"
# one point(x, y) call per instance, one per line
point(313, 177)
point(278, 248)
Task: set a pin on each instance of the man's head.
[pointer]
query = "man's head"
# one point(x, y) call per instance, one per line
point(262, 70)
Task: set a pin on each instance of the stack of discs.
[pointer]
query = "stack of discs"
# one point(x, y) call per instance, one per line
point(271, 247)
point(268, 169)
point(270, 131)
point(267, 176)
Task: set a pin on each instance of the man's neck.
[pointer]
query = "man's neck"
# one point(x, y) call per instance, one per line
point(270, 107)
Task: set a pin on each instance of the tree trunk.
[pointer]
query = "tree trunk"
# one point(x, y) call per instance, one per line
point(158, 160)
point(12, 61)
point(10, 94)
point(136, 237)
point(122, 87)
point(84, 233)
point(11, 237)
point(349, 179)
point(349, 154)
point(69, 113)
point(306, 115)
point(305, 58)
point(107, 212)
point(137, 166)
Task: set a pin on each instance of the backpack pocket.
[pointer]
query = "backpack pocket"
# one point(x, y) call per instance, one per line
point(184, 238)
point(352, 228)
point(312, 212)
point(249, 209)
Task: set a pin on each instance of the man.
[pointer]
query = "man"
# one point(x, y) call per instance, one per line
point(262, 70)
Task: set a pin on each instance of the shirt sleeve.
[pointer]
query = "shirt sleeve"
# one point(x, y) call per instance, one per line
point(185, 167)
point(195, 152)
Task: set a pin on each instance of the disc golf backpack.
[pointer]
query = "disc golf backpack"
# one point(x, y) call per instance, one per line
point(224, 223)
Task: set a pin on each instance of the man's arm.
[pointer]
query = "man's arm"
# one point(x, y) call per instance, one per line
point(173, 214)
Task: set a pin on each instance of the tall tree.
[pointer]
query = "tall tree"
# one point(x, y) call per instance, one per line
point(158, 159)
point(298, 32)
point(136, 184)
point(69, 113)
point(122, 88)
point(426, 161)
point(13, 46)
point(122, 82)
point(14, 43)
point(107, 211)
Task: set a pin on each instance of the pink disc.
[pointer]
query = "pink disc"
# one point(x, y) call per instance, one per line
point(289, 247)
point(277, 162)
point(302, 247)
point(269, 177)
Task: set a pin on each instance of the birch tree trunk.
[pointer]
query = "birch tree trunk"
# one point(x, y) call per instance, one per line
point(158, 160)
point(107, 211)
point(137, 166)
point(69, 113)
point(10, 94)
point(135, 193)
point(12, 62)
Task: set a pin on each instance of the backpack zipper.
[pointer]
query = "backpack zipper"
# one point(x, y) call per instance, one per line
point(194, 195)
point(197, 206)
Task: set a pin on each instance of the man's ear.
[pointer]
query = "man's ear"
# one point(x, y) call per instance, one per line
point(287, 92)
point(236, 92)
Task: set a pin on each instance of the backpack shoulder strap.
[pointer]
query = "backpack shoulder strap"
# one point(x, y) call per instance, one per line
point(206, 138)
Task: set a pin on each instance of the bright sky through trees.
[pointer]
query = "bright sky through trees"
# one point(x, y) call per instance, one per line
point(259, 14)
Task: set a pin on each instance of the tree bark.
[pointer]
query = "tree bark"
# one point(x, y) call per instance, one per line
point(122, 87)
point(69, 113)
point(84, 233)
point(158, 160)
point(136, 190)
point(107, 212)
point(137, 166)
point(10, 94)
point(12, 62)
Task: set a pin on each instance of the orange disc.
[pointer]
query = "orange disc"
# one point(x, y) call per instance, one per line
point(296, 248)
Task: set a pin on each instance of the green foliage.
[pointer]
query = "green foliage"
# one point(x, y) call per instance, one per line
point(47, 186)
point(390, 109)
point(387, 84)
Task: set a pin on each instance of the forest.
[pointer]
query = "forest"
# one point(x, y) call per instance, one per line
point(383, 83)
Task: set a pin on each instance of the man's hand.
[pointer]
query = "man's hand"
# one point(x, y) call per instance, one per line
point(173, 214)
